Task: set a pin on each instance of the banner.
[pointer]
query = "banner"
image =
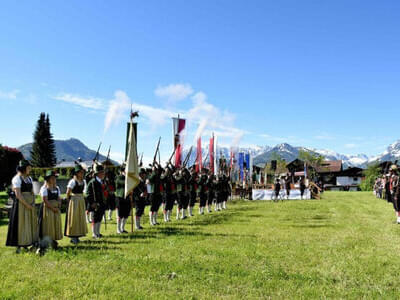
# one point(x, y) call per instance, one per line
point(131, 168)
point(199, 158)
point(211, 155)
point(178, 128)
point(241, 166)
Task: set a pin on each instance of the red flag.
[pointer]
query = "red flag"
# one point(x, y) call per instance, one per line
point(211, 156)
point(199, 158)
point(178, 128)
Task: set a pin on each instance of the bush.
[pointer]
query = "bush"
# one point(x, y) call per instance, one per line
point(371, 174)
point(9, 158)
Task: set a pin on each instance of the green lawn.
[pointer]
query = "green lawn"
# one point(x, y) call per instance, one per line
point(343, 246)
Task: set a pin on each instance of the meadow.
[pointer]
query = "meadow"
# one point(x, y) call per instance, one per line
point(346, 245)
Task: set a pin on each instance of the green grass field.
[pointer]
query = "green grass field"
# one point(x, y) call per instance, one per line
point(343, 246)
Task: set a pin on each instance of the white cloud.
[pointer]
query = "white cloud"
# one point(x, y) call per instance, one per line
point(117, 109)
point(11, 95)
point(174, 92)
point(87, 102)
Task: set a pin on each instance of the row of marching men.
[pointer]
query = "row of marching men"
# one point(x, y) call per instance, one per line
point(158, 187)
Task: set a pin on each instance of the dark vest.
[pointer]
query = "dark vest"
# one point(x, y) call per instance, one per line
point(52, 194)
point(78, 188)
point(26, 186)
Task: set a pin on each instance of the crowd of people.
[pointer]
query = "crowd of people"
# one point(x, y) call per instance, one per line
point(387, 187)
point(93, 194)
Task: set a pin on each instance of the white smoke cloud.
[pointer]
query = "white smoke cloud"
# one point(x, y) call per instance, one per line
point(118, 109)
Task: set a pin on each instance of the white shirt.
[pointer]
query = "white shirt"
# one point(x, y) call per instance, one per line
point(43, 191)
point(17, 182)
point(72, 184)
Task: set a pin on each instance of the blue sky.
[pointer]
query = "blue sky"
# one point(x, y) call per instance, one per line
point(321, 74)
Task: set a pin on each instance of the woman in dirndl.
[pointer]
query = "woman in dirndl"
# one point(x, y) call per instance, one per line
point(50, 210)
point(23, 228)
point(75, 221)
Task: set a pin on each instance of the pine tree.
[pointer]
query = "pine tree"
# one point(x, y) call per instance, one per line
point(43, 148)
point(51, 148)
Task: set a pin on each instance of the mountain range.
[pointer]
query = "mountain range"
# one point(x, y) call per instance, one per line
point(66, 150)
point(71, 149)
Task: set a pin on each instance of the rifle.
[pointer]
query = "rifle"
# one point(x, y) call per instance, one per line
point(204, 162)
point(108, 154)
point(169, 160)
point(141, 160)
point(186, 160)
point(157, 150)
point(97, 153)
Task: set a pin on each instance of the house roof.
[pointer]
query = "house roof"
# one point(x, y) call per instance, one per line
point(352, 172)
point(330, 166)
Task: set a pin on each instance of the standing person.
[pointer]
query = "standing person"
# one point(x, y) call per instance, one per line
point(89, 213)
point(226, 190)
point(288, 182)
point(219, 191)
point(155, 193)
point(277, 189)
point(110, 193)
point(388, 195)
point(123, 204)
point(22, 227)
point(302, 186)
point(169, 192)
point(50, 210)
point(180, 180)
point(192, 190)
point(202, 190)
point(211, 183)
point(139, 198)
point(75, 223)
point(394, 182)
point(96, 199)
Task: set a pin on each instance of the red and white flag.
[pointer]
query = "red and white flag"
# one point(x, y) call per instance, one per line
point(178, 133)
point(199, 158)
point(212, 155)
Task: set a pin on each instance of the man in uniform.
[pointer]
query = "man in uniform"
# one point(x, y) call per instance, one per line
point(139, 198)
point(192, 190)
point(169, 191)
point(155, 195)
point(202, 190)
point(96, 200)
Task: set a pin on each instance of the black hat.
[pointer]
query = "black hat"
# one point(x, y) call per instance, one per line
point(50, 173)
point(23, 164)
point(77, 169)
point(98, 168)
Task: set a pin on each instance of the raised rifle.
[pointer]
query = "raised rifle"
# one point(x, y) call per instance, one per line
point(186, 160)
point(96, 157)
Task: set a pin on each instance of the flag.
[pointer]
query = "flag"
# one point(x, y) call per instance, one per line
point(211, 155)
point(241, 165)
point(215, 155)
point(199, 158)
point(251, 167)
point(178, 130)
point(131, 168)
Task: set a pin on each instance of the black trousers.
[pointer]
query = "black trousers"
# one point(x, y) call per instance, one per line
point(140, 206)
point(211, 197)
point(98, 214)
point(124, 207)
point(169, 200)
point(220, 197)
point(111, 202)
point(155, 202)
point(192, 200)
point(183, 200)
point(203, 199)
